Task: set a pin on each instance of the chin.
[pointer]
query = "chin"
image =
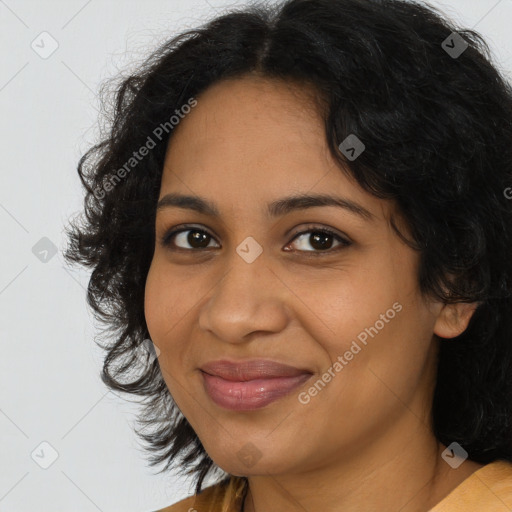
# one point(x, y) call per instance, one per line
point(249, 460)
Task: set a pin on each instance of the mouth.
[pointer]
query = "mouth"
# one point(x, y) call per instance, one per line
point(251, 384)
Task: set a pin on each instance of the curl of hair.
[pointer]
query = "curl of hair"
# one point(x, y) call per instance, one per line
point(438, 138)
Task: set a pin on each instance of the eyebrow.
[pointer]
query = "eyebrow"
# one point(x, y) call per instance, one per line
point(277, 208)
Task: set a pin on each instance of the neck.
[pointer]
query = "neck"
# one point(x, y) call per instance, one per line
point(412, 477)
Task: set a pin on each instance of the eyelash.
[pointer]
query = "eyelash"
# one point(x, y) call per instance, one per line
point(166, 240)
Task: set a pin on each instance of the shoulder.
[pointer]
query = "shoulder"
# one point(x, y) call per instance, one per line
point(207, 500)
point(222, 497)
point(497, 477)
point(489, 488)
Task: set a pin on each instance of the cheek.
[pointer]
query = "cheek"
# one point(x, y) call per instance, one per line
point(345, 304)
point(153, 303)
point(164, 301)
point(163, 311)
point(166, 306)
point(378, 326)
point(380, 362)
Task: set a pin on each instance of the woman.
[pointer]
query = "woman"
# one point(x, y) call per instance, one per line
point(303, 207)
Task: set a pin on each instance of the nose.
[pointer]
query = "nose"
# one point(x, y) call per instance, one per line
point(249, 299)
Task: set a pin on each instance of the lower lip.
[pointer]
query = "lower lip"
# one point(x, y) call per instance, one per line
point(252, 394)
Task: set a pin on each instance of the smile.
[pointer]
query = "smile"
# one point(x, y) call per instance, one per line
point(250, 394)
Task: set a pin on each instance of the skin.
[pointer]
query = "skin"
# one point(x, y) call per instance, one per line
point(363, 442)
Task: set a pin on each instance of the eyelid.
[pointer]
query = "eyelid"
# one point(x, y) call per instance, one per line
point(175, 230)
point(343, 239)
point(311, 228)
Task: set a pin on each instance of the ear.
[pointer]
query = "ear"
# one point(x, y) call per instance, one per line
point(453, 319)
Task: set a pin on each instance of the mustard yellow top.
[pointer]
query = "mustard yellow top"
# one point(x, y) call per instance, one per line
point(488, 489)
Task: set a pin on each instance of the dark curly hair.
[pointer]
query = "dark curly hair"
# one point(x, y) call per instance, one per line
point(437, 128)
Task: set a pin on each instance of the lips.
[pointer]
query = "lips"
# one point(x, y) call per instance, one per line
point(250, 370)
point(250, 384)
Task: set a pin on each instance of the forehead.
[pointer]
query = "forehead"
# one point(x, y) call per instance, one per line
point(259, 138)
point(249, 123)
point(254, 94)
point(252, 110)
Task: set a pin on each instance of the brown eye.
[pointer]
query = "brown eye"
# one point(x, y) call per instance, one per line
point(321, 239)
point(196, 239)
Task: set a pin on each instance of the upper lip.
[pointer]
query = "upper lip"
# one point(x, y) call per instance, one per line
point(249, 370)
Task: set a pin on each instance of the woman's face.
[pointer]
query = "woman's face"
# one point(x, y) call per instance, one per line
point(254, 285)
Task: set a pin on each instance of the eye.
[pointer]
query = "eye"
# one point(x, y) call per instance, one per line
point(321, 239)
point(197, 238)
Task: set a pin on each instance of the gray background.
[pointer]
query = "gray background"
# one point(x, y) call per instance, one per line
point(50, 389)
